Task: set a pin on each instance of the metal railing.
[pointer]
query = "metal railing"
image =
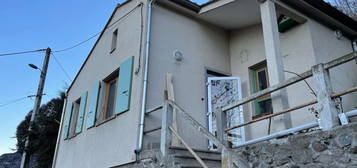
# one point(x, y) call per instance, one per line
point(325, 97)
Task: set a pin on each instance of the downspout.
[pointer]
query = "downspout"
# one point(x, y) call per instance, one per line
point(146, 67)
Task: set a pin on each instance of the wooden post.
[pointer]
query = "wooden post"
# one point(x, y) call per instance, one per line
point(328, 111)
point(166, 135)
point(171, 96)
point(221, 125)
point(226, 159)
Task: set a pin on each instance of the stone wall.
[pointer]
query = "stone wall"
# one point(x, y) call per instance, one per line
point(317, 149)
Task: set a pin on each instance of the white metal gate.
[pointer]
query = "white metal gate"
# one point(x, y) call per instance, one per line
point(221, 92)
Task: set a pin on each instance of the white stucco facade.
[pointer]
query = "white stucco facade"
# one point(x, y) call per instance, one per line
point(204, 46)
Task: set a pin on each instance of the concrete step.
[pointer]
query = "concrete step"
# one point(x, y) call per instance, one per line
point(191, 163)
point(185, 159)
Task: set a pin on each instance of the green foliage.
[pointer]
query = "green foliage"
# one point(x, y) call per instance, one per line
point(44, 132)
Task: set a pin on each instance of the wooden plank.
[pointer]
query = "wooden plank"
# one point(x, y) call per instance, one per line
point(171, 97)
point(165, 139)
point(189, 148)
point(236, 159)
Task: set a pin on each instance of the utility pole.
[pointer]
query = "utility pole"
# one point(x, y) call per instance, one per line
point(25, 158)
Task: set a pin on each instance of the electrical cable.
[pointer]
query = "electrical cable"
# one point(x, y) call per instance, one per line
point(62, 68)
point(16, 100)
point(308, 85)
point(96, 34)
point(22, 52)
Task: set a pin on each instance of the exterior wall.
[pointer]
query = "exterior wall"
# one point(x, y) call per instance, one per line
point(327, 47)
point(297, 55)
point(112, 143)
point(203, 46)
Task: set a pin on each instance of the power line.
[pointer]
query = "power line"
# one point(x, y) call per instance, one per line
point(96, 34)
point(15, 101)
point(22, 52)
point(62, 68)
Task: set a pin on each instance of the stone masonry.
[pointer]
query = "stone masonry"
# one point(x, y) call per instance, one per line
point(336, 148)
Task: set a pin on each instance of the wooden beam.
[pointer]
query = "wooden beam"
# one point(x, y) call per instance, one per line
point(188, 147)
point(171, 96)
point(240, 162)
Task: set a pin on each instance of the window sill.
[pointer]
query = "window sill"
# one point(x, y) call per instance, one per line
point(105, 120)
point(260, 115)
point(71, 137)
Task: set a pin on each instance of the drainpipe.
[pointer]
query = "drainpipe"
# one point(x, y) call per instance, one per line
point(354, 48)
point(146, 67)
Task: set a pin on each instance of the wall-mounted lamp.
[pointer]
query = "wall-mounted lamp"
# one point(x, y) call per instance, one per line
point(178, 56)
point(338, 34)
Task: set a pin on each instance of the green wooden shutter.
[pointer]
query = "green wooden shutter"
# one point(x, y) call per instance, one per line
point(92, 113)
point(82, 109)
point(124, 86)
point(67, 122)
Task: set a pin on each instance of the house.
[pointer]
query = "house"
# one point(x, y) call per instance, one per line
point(202, 57)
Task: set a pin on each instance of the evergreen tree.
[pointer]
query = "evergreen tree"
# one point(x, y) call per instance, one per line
point(43, 137)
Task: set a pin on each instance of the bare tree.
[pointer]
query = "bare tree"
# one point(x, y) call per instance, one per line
point(349, 7)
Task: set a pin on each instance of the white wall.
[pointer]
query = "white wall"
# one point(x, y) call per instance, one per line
point(112, 143)
point(202, 46)
point(298, 57)
point(327, 47)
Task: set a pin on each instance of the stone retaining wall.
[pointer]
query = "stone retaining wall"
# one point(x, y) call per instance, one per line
point(317, 149)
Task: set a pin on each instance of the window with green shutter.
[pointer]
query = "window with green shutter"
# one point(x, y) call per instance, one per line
point(67, 122)
point(93, 106)
point(81, 112)
point(259, 80)
point(124, 86)
point(117, 91)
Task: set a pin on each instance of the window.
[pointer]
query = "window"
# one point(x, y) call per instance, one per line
point(114, 40)
point(260, 81)
point(75, 112)
point(110, 95)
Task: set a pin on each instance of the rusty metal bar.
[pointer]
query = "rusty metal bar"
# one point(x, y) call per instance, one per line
point(307, 74)
point(347, 91)
point(273, 115)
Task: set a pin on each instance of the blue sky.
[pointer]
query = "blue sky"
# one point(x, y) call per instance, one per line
point(29, 25)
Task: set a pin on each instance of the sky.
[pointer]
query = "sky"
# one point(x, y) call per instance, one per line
point(31, 25)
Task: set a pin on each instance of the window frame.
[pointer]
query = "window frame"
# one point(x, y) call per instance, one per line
point(104, 89)
point(73, 124)
point(254, 85)
point(107, 96)
point(114, 41)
